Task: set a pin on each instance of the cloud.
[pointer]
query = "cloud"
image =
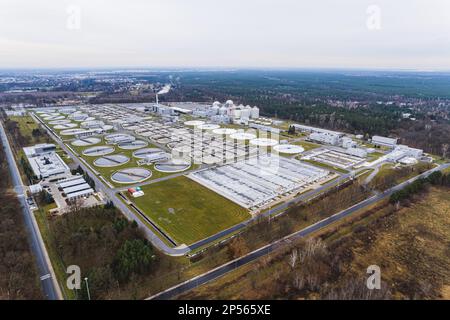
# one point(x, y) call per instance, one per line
point(253, 33)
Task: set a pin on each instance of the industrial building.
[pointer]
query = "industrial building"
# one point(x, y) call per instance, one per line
point(154, 157)
point(321, 135)
point(384, 141)
point(405, 154)
point(44, 161)
point(264, 128)
point(309, 129)
point(75, 188)
point(330, 138)
point(224, 113)
point(89, 133)
point(257, 182)
point(358, 152)
point(335, 158)
point(92, 124)
point(136, 192)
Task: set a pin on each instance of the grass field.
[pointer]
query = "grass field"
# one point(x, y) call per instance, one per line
point(374, 156)
point(27, 125)
point(325, 166)
point(187, 211)
point(306, 145)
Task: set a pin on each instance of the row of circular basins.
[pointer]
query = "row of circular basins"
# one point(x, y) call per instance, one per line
point(106, 158)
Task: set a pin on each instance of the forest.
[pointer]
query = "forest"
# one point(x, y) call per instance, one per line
point(18, 275)
point(111, 251)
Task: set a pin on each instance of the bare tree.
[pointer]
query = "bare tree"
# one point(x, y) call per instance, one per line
point(293, 257)
point(298, 281)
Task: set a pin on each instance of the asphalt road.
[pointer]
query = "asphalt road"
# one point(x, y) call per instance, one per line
point(49, 285)
point(254, 255)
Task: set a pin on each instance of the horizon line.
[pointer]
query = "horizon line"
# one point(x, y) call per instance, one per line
point(221, 68)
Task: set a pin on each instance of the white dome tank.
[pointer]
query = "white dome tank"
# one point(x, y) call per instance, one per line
point(246, 113)
point(223, 110)
point(215, 110)
point(255, 112)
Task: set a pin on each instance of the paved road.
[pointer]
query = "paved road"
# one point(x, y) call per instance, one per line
point(49, 284)
point(254, 255)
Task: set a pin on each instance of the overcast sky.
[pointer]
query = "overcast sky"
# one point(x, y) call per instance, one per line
point(397, 34)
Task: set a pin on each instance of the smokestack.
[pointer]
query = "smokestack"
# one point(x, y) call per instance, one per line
point(157, 103)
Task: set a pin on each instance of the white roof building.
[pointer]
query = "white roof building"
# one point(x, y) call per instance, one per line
point(384, 141)
point(75, 188)
point(44, 161)
point(326, 137)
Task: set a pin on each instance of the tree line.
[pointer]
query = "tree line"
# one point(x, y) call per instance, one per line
point(18, 275)
point(111, 251)
point(436, 178)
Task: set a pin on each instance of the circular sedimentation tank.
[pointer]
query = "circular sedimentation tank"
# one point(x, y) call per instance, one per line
point(98, 151)
point(208, 126)
point(131, 175)
point(289, 149)
point(146, 133)
point(79, 117)
point(54, 117)
point(72, 132)
point(194, 123)
point(224, 131)
point(182, 150)
point(264, 142)
point(86, 142)
point(172, 166)
point(114, 160)
point(164, 140)
point(143, 153)
point(137, 144)
point(211, 160)
point(114, 136)
point(107, 127)
point(243, 136)
point(65, 126)
point(64, 121)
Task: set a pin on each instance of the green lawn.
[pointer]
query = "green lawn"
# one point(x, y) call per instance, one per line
point(307, 145)
point(27, 125)
point(326, 166)
point(374, 156)
point(187, 211)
